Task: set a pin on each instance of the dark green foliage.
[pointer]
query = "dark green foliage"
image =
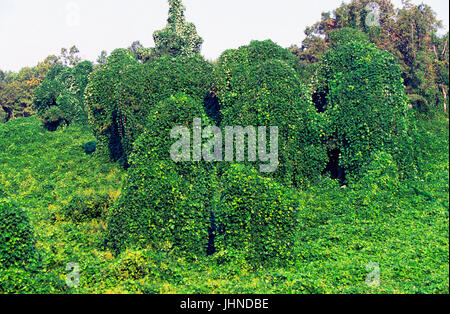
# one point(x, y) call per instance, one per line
point(167, 76)
point(90, 147)
point(178, 38)
point(295, 232)
point(346, 35)
point(121, 94)
point(59, 99)
point(269, 92)
point(102, 101)
point(86, 207)
point(256, 217)
point(360, 90)
point(17, 242)
point(239, 60)
point(164, 205)
point(20, 263)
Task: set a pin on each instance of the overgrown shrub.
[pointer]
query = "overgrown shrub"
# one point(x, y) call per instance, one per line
point(270, 93)
point(234, 61)
point(59, 99)
point(359, 88)
point(257, 217)
point(102, 101)
point(121, 94)
point(165, 205)
point(17, 243)
point(346, 35)
point(86, 207)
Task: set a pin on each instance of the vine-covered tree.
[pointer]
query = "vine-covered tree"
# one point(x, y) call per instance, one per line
point(178, 38)
point(409, 33)
point(260, 84)
point(59, 99)
point(360, 91)
point(121, 93)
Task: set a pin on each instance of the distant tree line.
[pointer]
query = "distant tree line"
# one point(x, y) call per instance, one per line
point(410, 33)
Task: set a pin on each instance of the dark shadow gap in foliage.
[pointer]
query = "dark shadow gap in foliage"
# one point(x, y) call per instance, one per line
point(319, 99)
point(333, 168)
point(52, 126)
point(212, 107)
point(212, 229)
point(116, 151)
point(90, 147)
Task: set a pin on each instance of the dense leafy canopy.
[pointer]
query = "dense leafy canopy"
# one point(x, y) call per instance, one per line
point(360, 90)
point(164, 204)
point(178, 38)
point(256, 218)
point(121, 94)
point(259, 85)
point(59, 99)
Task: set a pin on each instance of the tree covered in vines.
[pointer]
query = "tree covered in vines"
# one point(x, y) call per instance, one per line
point(179, 37)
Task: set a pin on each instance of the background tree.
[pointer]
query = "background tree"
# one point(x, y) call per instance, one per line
point(69, 57)
point(409, 33)
point(59, 99)
point(16, 89)
point(102, 58)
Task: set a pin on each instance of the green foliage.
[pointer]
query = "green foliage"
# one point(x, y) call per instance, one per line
point(164, 205)
point(16, 89)
point(167, 76)
point(152, 232)
point(360, 90)
point(339, 230)
point(43, 172)
point(121, 94)
point(102, 97)
point(59, 99)
point(256, 217)
point(17, 243)
point(239, 60)
point(346, 35)
point(266, 90)
point(178, 38)
point(86, 207)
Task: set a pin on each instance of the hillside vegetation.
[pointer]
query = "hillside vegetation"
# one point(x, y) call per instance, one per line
point(103, 189)
point(66, 194)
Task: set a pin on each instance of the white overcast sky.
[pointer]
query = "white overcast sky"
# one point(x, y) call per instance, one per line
point(31, 30)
